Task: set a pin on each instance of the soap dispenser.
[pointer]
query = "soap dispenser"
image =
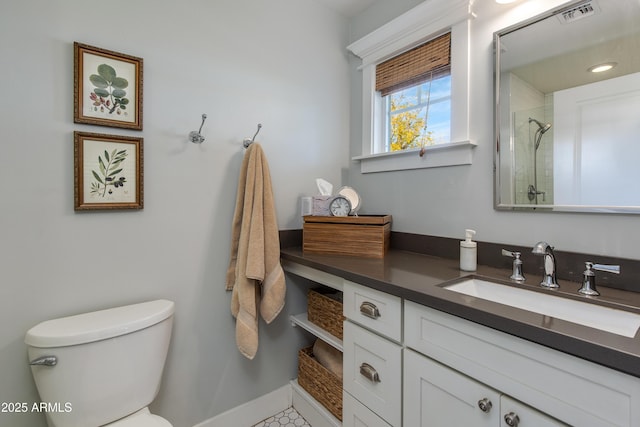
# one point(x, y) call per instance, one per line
point(468, 251)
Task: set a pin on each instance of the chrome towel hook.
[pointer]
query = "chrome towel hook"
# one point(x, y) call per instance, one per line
point(195, 136)
point(247, 142)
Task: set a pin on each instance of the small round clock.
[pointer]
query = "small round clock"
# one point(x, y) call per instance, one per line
point(340, 206)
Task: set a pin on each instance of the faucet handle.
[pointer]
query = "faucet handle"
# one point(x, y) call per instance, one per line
point(589, 277)
point(517, 275)
point(511, 254)
point(615, 269)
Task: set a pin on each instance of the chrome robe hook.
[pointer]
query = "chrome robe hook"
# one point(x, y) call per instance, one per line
point(247, 142)
point(195, 136)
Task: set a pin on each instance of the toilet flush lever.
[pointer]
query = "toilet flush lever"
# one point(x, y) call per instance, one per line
point(45, 361)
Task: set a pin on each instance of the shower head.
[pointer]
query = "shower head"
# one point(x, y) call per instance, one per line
point(545, 128)
point(541, 127)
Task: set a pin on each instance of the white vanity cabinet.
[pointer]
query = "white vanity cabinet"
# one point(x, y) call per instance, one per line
point(564, 387)
point(372, 358)
point(406, 364)
point(438, 396)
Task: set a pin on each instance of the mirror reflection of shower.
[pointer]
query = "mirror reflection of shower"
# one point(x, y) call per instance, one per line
point(533, 190)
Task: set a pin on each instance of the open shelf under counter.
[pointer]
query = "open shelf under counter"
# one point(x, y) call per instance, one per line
point(313, 274)
point(303, 321)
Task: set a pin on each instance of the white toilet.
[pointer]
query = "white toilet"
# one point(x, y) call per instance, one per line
point(102, 368)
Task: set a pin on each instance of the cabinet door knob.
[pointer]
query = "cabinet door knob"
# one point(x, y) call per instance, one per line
point(485, 405)
point(369, 309)
point(512, 419)
point(369, 373)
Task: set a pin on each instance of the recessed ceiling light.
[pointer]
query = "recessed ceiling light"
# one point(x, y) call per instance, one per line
point(602, 67)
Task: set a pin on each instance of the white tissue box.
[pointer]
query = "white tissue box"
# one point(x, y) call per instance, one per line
point(321, 205)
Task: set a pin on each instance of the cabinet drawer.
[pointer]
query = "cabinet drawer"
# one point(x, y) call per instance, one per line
point(355, 414)
point(373, 372)
point(378, 311)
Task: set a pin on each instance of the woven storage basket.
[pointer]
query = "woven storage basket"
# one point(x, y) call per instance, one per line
point(319, 382)
point(325, 312)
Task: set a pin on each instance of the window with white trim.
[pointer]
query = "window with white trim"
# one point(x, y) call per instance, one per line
point(416, 94)
point(431, 102)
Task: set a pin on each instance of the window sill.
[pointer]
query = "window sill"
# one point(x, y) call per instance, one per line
point(441, 155)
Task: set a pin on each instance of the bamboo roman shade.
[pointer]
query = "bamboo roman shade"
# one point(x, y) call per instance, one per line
point(415, 66)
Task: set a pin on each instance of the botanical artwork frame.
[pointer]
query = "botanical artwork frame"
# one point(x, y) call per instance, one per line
point(108, 171)
point(107, 87)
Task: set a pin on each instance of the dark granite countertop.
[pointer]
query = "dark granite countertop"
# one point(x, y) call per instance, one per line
point(419, 278)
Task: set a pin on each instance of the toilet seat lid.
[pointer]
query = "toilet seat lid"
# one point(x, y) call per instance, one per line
point(98, 325)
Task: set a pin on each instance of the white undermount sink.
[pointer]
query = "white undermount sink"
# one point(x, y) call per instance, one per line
point(591, 315)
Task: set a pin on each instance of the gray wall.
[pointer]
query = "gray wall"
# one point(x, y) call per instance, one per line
point(281, 63)
point(445, 201)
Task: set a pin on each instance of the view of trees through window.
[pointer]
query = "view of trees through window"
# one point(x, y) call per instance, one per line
point(420, 115)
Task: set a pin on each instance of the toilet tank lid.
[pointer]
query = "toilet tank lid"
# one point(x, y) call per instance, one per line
point(98, 325)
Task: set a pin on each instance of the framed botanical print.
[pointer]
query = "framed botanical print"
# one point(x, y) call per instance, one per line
point(108, 171)
point(107, 87)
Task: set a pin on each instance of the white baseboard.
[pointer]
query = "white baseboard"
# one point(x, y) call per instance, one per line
point(253, 412)
point(310, 409)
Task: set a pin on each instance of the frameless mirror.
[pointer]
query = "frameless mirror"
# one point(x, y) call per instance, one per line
point(568, 137)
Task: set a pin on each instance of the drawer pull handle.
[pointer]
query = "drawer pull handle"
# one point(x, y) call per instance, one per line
point(485, 405)
point(512, 419)
point(370, 310)
point(369, 373)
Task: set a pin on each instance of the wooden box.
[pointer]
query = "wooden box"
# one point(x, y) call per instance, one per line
point(364, 235)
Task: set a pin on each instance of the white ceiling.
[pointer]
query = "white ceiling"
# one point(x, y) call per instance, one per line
point(348, 8)
point(552, 55)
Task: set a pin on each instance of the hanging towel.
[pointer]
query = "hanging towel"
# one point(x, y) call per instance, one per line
point(255, 275)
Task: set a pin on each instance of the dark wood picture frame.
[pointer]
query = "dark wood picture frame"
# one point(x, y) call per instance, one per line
point(108, 172)
point(107, 87)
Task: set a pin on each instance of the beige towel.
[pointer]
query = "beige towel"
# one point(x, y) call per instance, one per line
point(328, 356)
point(254, 275)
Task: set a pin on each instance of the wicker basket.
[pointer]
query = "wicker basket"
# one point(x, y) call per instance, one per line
point(319, 382)
point(325, 312)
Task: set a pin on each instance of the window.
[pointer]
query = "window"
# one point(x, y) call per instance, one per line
point(434, 92)
point(418, 116)
point(415, 87)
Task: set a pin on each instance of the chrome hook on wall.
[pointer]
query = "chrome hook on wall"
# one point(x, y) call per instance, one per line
point(247, 142)
point(195, 136)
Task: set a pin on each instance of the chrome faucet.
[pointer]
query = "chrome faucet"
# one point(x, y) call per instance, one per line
point(517, 275)
point(589, 277)
point(544, 249)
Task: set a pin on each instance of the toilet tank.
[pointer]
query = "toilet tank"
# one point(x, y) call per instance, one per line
point(108, 363)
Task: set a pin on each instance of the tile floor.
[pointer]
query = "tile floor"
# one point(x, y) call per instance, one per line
point(287, 418)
